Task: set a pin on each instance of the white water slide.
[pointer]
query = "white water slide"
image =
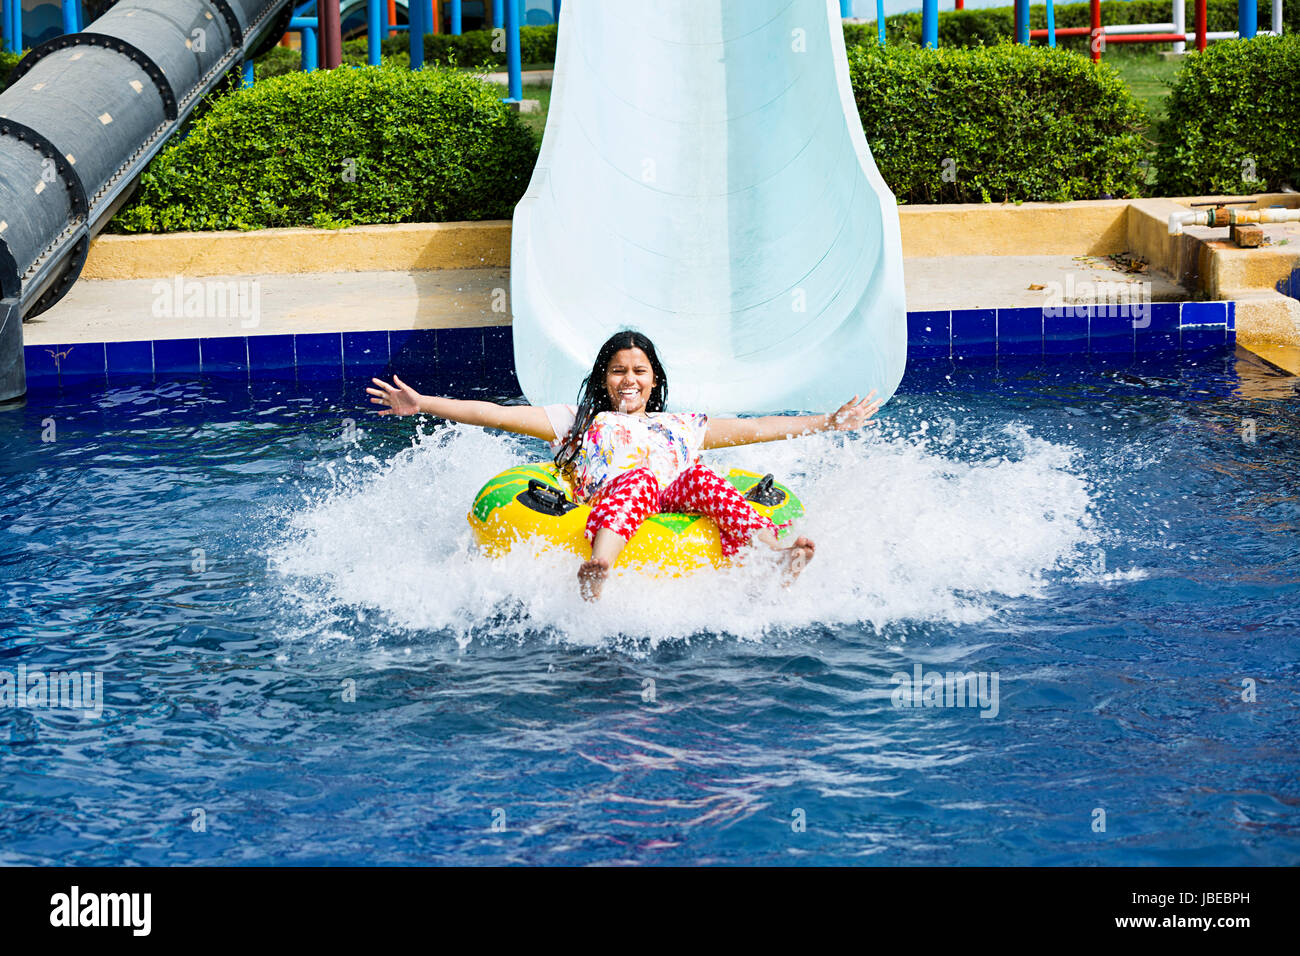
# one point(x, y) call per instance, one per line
point(704, 179)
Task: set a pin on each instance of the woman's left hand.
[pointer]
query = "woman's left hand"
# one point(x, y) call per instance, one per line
point(853, 413)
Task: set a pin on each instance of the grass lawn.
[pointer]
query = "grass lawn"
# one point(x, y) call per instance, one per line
point(535, 121)
point(1148, 75)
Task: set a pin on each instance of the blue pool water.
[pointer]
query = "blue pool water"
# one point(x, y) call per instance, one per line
point(1118, 547)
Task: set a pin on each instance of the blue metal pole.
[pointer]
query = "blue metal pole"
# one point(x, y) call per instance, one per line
point(374, 32)
point(307, 27)
point(555, 9)
point(71, 19)
point(498, 14)
point(1051, 25)
point(248, 74)
point(1246, 19)
point(846, 9)
point(1022, 22)
point(930, 23)
point(880, 20)
point(455, 17)
point(417, 28)
point(14, 26)
point(514, 65)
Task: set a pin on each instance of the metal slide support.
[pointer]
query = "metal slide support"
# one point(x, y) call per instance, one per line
point(84, 127)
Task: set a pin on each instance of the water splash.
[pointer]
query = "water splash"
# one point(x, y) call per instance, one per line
point(912, 524)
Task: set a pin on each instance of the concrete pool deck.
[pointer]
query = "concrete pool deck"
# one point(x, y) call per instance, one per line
point(448, 275)
point(128, 309)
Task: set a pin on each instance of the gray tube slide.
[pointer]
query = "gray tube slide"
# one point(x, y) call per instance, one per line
point(83, 116)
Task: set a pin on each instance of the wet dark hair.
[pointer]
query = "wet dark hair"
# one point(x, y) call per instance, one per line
point(593, 396)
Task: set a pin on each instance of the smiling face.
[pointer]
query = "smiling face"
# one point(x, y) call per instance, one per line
point(629, 379)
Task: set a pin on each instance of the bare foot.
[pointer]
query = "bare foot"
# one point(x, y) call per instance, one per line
point(795, 558)
point(591, 578)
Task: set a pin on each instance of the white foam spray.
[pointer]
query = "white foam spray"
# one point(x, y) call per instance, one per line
point(907, 527)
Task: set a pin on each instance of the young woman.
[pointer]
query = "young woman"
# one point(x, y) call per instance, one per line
point(628, 458)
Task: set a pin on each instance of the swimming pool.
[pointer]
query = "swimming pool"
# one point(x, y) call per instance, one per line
point(303, 663)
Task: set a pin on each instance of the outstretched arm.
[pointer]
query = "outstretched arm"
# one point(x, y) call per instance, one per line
point(401, 399)
point(748, 431)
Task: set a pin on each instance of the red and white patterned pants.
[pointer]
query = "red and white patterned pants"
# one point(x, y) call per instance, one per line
point(626, 501)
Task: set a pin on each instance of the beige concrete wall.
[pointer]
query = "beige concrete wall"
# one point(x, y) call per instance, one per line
point(406, 247)
point(1212, 268)
point(1097, 227)
point(1091, 228)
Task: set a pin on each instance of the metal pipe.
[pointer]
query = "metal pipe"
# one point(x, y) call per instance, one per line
point(392, 17)
point(1116, 28)
point(1217, 218)
point(416, 29)
point(1098, 41)
point(930, 22)
point(456, 17)
point(331, 35)
point(1246, 18)
point(880, 20)
point(1180, 23)
point(71, 16)
point(513, 57)
point(1022, 22)
point(307, 27)
point(1200, 25)
point(498, 14)
point(846, 9)
point(14, 26)
point(1051, 25)
point(1143, 37)
point(374, 33)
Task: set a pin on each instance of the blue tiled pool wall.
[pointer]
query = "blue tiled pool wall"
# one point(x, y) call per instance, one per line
point(1291, 284)
point(443, 361)
point(1036, 334)
point(433, 361)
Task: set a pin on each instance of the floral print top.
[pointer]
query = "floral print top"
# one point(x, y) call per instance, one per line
point(665, 443)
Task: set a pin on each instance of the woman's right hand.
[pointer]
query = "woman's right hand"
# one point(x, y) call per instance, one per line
point(401, 400)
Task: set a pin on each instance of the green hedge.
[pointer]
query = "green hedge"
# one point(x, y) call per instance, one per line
point(1006, 123)
point(280, 60)
point(974, 27)
point(474, 48)
point(340, 147)
point(1235, 107)
point(7, 62)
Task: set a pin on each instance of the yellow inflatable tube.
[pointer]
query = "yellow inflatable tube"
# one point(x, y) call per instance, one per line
point(533, 501)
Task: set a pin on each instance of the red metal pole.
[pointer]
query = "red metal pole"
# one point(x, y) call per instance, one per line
point(331, 35)
point(1200, 25)
point(961, 4)
point(392, 17)
point(437, 15)
point(1098, 38)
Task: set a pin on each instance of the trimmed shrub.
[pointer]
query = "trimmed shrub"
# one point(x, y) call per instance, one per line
point(471, 49)
point(280, 60)
point(340, 147)
point(7, 62)
point(474, 48)
point(997, 124)
point(1233, 120)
